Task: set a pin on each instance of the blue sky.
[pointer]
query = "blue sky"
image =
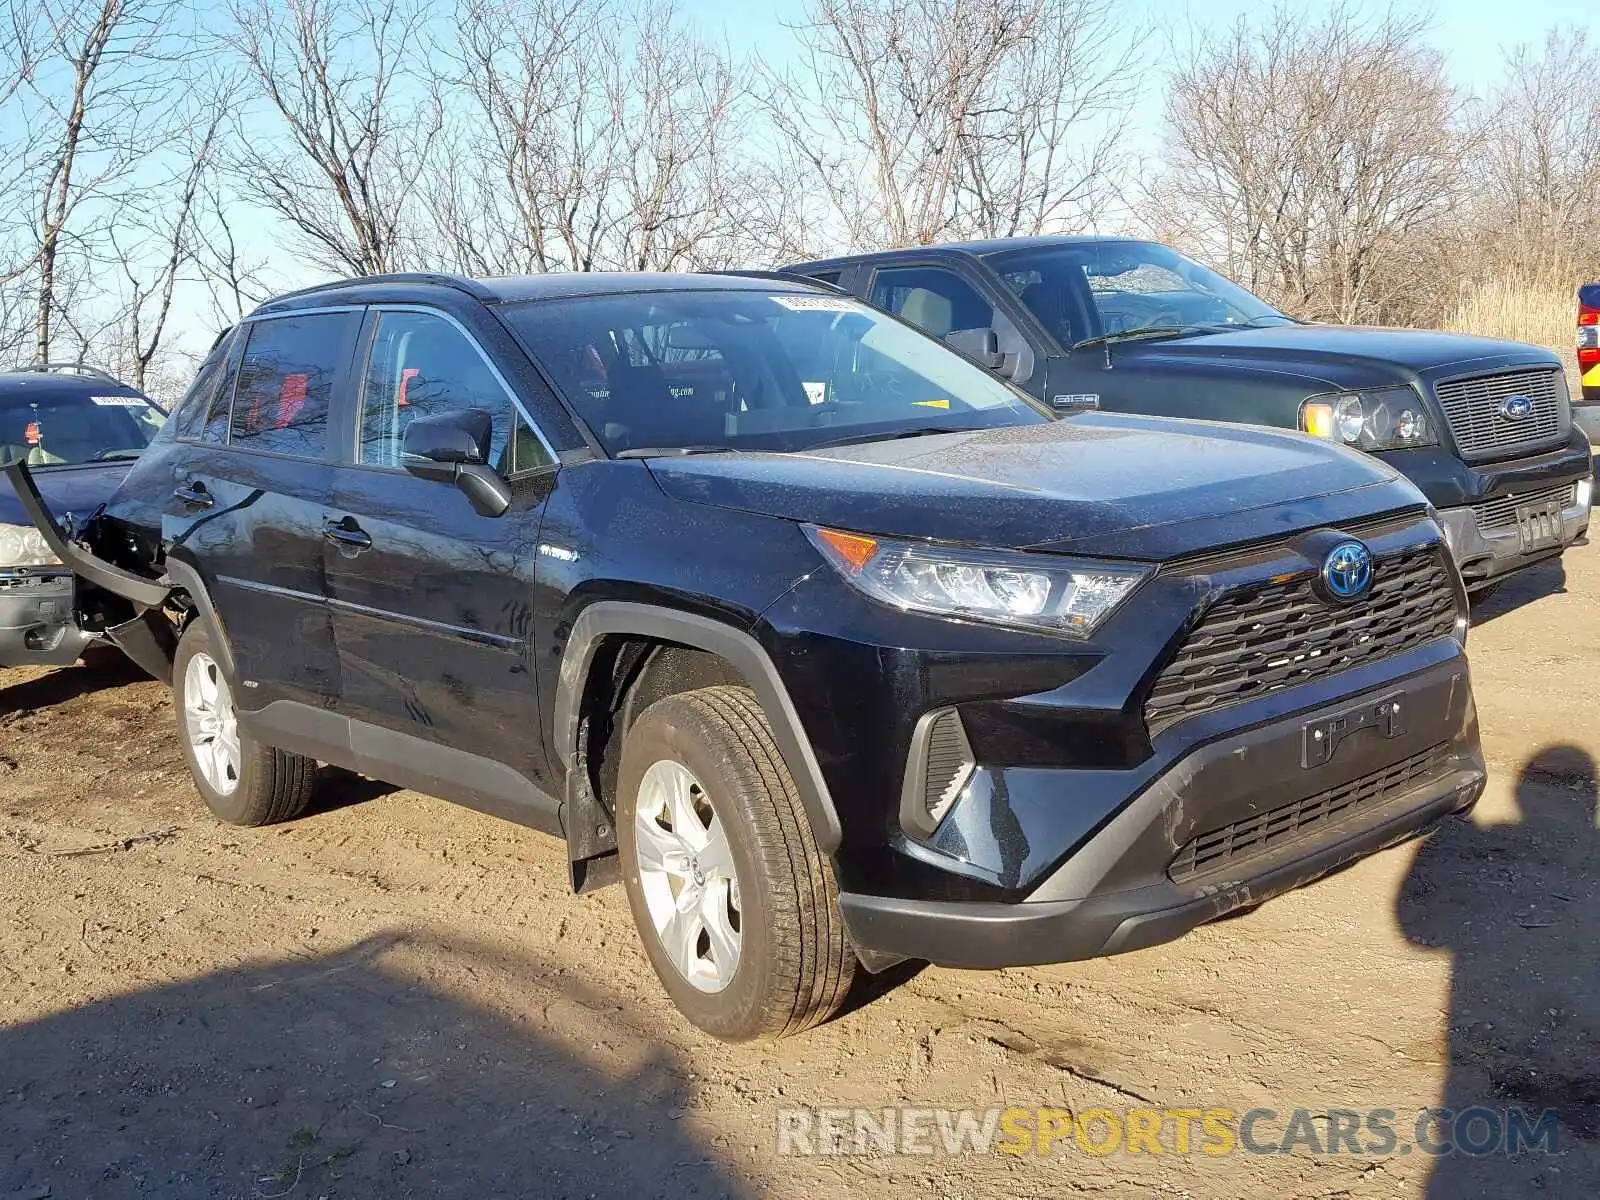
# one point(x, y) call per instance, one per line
point(1472, 34)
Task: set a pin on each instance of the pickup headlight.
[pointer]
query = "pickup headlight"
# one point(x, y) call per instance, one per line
point(1385, 419)
point(24, 546)
point(1029, 591)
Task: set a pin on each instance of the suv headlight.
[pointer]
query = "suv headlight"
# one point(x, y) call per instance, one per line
point(1029, 591)
point(24, 546)
point(1385, 419)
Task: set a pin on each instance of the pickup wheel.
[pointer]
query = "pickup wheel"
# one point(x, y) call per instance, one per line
point(737, 908)
point(242, 781)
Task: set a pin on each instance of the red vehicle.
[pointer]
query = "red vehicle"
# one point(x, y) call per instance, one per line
point(1587, 412)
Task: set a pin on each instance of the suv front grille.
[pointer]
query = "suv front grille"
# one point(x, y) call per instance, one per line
point(1501, 513)
point(1262, 638)
point(1229, 846)
point(1472, 407)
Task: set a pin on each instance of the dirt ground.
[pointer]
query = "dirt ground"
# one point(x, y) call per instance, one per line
point(397, 997)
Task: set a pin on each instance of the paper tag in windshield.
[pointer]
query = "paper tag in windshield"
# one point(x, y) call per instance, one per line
point(816, 390)
point(118, 401)
point(817, 304)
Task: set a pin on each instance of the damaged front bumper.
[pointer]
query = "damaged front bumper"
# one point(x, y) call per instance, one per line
point(46, 618)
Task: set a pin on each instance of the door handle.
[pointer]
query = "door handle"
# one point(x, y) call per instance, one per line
point(347, 534)
point(194, 494)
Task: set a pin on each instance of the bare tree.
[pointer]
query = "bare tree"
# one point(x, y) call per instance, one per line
point(86, 111)
point(924, 119)
point(340, 78)
point(1310, 158)
point(166, 246)
point(585, 134)
point(1539, 170)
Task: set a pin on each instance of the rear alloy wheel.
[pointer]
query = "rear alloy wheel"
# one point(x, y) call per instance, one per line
point(735, 904)
point(213, 728)
point(241, 781)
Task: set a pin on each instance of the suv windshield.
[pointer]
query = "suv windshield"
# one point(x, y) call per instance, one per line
point(50, 424)
point(750, 370)
point(1093, 289)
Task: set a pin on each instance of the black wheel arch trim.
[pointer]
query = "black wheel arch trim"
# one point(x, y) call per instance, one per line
point(607, 618)
point(187, 576)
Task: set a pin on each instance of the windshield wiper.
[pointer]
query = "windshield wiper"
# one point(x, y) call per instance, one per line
point(1128, 335)
point(919, 431)
point(672, 451)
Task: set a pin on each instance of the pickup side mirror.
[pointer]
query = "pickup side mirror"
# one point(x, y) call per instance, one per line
point(982, 346)
point(453, 447)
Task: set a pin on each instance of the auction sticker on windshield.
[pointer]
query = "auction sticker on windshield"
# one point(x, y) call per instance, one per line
point(119, 401)
point(817, 304)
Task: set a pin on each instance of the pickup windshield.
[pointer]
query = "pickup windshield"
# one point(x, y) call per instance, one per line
point(1087, 290)
point(752, 370)
point(49, 425)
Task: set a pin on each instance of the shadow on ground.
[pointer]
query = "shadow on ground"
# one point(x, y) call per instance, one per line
point(343, 1076)
point(1514, 904)
point(106, 670)
point(1547, 579)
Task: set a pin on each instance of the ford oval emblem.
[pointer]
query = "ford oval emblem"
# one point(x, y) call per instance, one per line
point(1514, 408)
point(1347, 571)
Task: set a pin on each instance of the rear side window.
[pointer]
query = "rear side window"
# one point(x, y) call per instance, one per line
point(195, 409)
point(285, 382)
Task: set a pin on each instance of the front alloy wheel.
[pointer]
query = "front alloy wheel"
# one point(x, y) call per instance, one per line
point(687, 875)
point(735, 904)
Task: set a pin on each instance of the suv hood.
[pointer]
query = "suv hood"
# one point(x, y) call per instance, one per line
point(1098, 483)
point(77, 489)
point(1341, 356)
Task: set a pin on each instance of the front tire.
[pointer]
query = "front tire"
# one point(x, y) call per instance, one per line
point(735, 904)
point(242, 781)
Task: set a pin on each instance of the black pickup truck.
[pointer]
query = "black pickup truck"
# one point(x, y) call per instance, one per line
point(1484, 428)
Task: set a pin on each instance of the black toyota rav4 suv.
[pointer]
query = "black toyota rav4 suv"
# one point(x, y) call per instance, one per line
point(834, 648)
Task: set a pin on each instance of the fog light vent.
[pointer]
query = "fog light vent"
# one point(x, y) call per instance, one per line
point(937, 769)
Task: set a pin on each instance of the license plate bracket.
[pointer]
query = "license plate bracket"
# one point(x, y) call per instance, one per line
point(1321, 738)
point(1539, 525)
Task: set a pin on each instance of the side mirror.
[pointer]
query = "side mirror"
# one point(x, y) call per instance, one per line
point(982, 346)
point(453, 447)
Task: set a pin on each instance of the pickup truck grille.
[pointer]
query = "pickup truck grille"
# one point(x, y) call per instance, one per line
point(1472, 406)
point(1501, 512)
point(1232, 846)
point(1262, 638)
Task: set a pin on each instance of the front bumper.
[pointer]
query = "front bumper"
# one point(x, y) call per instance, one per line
point(1265, 821)
point(37, 623)
point(1485, 552)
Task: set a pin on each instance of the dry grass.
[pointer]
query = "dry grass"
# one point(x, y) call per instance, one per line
point(1542, 313)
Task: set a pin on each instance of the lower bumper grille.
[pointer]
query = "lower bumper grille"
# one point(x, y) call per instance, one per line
point(1501, 512)
point(1229, 846)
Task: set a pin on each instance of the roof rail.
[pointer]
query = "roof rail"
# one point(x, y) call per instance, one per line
point(786, 275)
point(459, 282)
point(71, 368)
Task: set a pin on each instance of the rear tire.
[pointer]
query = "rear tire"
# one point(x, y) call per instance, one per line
point(242, 781)
point(734, 884)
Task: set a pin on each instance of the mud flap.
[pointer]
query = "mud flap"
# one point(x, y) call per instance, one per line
point(150, 641)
